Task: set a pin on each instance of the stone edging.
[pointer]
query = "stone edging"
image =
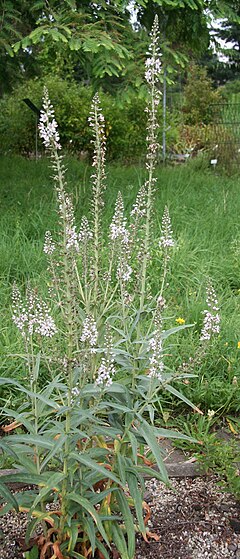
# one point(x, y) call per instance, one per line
point(174, 470)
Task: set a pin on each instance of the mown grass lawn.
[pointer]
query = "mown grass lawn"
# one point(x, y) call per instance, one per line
point(204, 209)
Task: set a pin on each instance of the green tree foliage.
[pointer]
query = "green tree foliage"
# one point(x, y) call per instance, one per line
point(230, 31)
point(199, 97)
point(11, 28)
point(184, 23)
point(97, 43)
point(85, 38)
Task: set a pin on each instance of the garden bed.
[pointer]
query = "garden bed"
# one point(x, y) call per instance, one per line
point(193, 520)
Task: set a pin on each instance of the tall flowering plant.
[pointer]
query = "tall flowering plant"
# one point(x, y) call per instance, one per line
point(82, 431)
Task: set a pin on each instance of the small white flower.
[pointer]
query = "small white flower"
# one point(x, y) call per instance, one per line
point(153, 63)
point(118, 226)
point(49, 245)
point(139, 208)
point(89, 332)
point(97, 123)
point(124, 271)
point(85, 233)
point(105, 372)
point(166, 239)
point(156, 359)
point(210, 414)
point(75, 393)
point(32, 316)
point(72, 238)
point(48, 128)
point(211, 321)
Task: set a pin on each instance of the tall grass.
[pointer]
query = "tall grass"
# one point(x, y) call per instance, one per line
point(204, 209)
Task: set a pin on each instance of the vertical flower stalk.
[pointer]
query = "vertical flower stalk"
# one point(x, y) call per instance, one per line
point(155, 344)
point(96, 122)
point(166, 243)
point(153, 69)
point(211, 321)
point(106, 369)
point(121, 249)
point(89, 338)
point(210, 328)
point(85, 237)
point(32, 316)
point(68, 245)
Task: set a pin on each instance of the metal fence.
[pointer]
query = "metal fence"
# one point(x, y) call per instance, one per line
point(224, 138)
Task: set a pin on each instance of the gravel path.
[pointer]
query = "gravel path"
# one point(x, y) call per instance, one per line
point(193, 520)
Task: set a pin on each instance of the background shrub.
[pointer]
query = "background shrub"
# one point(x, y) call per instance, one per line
point(199, 97)
point(125, 120)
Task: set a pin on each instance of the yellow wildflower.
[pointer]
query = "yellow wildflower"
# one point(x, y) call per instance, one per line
point(182, 321)
point(238, 345)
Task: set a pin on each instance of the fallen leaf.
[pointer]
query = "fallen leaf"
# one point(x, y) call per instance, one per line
point(232, 429)
point(11, 426)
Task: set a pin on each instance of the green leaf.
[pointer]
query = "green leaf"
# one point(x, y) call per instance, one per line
point(181, 396)
point(121, 468)
point(134, 446)
point(75, 43)
point(148, 472)
point(17, 47)
point(87, 461)
point(116, 388)
point(35, 371)
point(22, 477)
point(138, 500)
point(20, 418)
point(57, 36)
point(171, 331)
point(169, 434)
point(26, 43)
point(147, 432)
point(118, 407)
point(37, 34)
point(85, 504)
point(59, 444)
point(5, 509)
point(50, 403)
point(33, 553)
point(51, 483)
point(128, 522)
point(76, 555)
point(96, 498)
point(28, 464)
point(73, 532)
point(8, 496)
point(90, 530)
point(6, 448)
point(119, 541)
point(36, 440)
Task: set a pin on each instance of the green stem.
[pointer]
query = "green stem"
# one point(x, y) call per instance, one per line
point(69, 316)
point(165, 270)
